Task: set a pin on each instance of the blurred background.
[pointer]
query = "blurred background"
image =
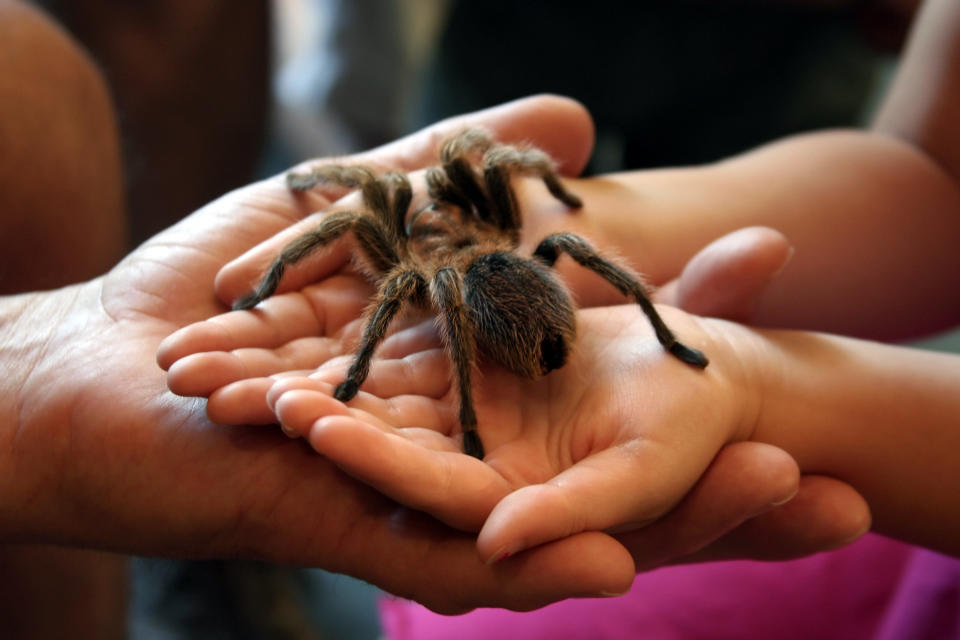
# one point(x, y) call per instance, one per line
point(214, 94)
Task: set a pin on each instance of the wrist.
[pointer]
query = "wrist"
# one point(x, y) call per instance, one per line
point(28, 458)
point(881, 418)
point(742, 357)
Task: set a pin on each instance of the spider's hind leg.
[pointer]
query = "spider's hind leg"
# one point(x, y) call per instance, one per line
point(585, 255)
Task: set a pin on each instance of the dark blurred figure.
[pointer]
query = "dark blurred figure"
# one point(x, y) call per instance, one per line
point(191, 85)
point(668, 83)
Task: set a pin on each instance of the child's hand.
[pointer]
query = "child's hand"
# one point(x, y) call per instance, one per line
point(238, 356)
point(610, 442)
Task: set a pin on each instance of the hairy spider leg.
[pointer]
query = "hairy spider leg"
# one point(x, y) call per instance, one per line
point(370, 237)
point(473, 140)
point(375, 190)
point(535, 162)
point(494, 199)
point(441, 189)
point(447, 290)
point(392, 294)
point(578, 249)
point(455, 160)
point(499, 163)
point(461, 176)
point(505, 211)
point(402, 197)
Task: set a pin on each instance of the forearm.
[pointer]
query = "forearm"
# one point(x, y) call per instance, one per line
point(884, 419)
point(875, 225)
point(922, 103)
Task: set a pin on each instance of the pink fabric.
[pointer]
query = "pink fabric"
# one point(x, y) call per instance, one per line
point(875, 589)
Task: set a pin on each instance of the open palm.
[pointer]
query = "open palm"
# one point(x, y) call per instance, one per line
point(612, 441)
point(619, 437)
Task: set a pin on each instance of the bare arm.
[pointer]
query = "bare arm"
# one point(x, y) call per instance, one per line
point(874, 223)
point(921, 106)
point(874, 215)
point(884, 419)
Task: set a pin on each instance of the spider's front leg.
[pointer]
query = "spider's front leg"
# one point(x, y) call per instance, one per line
point(388, 196)
point(533, 162)
point(585, 255)
point(370, 236)
point(408, 284)
point(447, 291)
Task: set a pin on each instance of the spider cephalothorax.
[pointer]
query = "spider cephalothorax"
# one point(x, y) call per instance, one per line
point(457, 256)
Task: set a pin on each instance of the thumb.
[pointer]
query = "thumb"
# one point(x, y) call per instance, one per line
point(560, 126)
point(727, 278)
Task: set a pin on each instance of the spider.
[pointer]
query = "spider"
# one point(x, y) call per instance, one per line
point(457, 256)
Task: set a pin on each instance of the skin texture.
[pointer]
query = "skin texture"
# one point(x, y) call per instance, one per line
point(861, 412)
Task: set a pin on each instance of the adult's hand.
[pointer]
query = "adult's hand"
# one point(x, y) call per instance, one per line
point(97, 452)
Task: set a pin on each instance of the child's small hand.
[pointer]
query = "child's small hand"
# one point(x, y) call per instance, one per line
point(611, 442)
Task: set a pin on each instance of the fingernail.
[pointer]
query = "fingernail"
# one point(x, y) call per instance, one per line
point(784, 500)
point(786, 261)
point(502, 554)
point(289, 431)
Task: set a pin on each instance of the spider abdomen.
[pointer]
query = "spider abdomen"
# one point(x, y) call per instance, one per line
point(523, 317)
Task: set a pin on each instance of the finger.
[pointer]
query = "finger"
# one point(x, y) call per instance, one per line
point(727, 278)
point(420, 468)
point(201, 374)
point(825, 514)
point(453, 580)
point(399, 412)
point(422, 336)
point(745, 479)
point(559, 126)
point(424, 373)
point(628, 484)
point(244, 402)
point(321, 310)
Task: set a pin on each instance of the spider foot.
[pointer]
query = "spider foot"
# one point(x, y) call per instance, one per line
point(688, 355)
point(472, 446)
point(346, 390)
point(302, 181)
point(248, 301)
point(572, 200)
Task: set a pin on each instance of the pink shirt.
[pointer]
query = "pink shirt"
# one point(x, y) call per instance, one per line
point(874, 589)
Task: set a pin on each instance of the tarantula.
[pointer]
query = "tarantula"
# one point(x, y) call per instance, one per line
point(457, 256)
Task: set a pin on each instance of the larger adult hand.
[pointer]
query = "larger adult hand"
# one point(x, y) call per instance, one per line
point(97, 452)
